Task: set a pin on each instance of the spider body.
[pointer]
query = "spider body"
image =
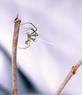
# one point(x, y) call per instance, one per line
point(30, 37)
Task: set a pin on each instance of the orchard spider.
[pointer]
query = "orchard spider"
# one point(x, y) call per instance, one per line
point(30, 36)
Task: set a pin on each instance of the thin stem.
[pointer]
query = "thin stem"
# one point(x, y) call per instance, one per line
point(14, 52)
point(68, 77)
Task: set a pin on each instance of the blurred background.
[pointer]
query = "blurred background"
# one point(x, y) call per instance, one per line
point(43, 66)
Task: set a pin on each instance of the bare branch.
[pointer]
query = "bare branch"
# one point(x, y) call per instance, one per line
point(69, 76)
point(14, 52)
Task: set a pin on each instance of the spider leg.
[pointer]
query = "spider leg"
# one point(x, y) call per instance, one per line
point(33, 39)
point(31, 24)
point(27, 42)
point(25, 30)
point(36, 34)
point(34, 26)
point(25, 47)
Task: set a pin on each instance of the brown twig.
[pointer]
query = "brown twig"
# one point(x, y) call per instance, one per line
point(69, 76)
point(14, 52)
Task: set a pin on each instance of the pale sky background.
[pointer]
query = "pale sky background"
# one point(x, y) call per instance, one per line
point(58, 46)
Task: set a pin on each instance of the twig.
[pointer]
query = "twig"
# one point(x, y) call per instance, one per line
point(69, 76)
point(14, 52)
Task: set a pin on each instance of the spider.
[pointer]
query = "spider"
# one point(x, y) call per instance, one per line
point(30, 36)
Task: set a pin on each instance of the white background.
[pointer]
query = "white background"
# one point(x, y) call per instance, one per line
point(57, 48)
